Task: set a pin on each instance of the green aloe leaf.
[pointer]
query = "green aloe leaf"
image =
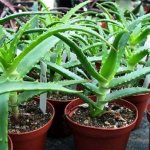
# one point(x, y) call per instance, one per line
point(111, 64)
point(135, 23)
point(141, 37)
point(29, 86)
point(76, 63)
point(44, 42)
point(35, 55)
point(26, 95)
point(70, 75)
point(116, 95)
point(72, 11)
point(87, 65)
point(129, 77)
point(137, 57)
point(4, 121)
point(15, 41)
point(12, 16)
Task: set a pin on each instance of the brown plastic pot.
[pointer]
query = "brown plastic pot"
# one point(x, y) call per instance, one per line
point(10, 143)
point(93, 138)
point(79, 87)
point(148, 111)
point(146, 9)
point(59, 127)
point(140, 101)
point(33, 140)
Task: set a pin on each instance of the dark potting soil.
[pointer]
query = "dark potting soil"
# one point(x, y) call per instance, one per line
point(116, 116)
point(60, 97)
point(30, 118)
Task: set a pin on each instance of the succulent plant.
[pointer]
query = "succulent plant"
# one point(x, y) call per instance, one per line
point(106, 78)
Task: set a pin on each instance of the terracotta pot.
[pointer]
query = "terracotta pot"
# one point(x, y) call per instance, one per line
point(10, 143)
point(103, 25)
point(59, 127)
point(33, 140)
point(93, 138)
point(140, 101)
point(146, 9)
point(79, 87)
point(148, 112)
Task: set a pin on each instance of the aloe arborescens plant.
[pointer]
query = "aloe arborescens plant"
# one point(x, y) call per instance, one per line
point(14, 68)
point(107, 76)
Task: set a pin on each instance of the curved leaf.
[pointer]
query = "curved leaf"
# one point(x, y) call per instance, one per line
point(4, 121)
point(126, 92)
point(129, 77)
point(45, 41)
point(137, 57)
point(10, 86)
point(85, 63)
point(71, 75)
point(12, 16)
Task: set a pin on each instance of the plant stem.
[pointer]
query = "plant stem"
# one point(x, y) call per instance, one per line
point(102, 96)
point(13, 102)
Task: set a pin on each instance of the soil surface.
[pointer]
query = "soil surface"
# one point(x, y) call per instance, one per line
point(115, 116)
point(60, 97)
point(30, 118)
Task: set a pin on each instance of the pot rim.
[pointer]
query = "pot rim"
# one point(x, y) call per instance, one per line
point(10, 143)
point(137, 95)
point(63, 101)
point(99, 128)
point(29, 132)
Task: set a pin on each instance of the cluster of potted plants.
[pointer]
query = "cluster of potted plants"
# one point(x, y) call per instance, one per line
point(105, 54)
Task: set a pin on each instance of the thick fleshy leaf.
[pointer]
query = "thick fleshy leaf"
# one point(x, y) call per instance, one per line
point(72, 11)
point(126, 92)
point(66, 73)
point(76, 63)
point(10, 86)
point(4, 121)
point(137, 57)
point(111, 64)
point(85, 63)
point(47, 42)
point(26, 95)
point(12, 16)
point(129, 77)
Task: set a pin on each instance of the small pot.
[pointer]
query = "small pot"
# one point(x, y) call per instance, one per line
point(79, 87)
point(140, 101)
point(59, 127)
point(147, 9)
point(88, 138)
point(33, 140)
point(10, 143)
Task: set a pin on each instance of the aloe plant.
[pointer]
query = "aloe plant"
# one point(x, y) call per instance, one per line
point(106, 78)
point(15, 67)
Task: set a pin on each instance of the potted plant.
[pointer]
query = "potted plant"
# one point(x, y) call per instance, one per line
point(135, 51)
point(14, 90)
point(105, 80)
point(61, 56)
